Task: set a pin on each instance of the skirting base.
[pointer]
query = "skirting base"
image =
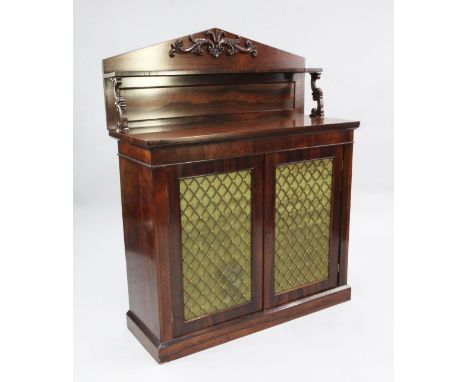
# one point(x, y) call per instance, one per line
point(232, 329)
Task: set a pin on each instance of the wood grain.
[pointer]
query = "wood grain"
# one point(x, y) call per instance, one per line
point(255, 164)
point(216, 130)
point(272, 299)
point(138, 225)
point(345, 213)
point(231, 330)
point(156, 58)
point(198, 115)
point(174, 102)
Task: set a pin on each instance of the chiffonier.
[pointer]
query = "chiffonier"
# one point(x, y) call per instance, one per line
point(235, 202)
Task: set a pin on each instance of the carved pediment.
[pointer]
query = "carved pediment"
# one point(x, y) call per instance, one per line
point(213, 49)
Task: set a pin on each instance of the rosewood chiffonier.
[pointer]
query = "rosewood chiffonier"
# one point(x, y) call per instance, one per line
point(235, 202)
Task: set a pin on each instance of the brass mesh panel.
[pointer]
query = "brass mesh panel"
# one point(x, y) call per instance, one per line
point(216, 242)
point(302, 223)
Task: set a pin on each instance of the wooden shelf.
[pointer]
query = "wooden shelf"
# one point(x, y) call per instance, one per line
point(206, 72)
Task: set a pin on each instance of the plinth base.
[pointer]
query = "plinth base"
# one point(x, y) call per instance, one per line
point(232, 329)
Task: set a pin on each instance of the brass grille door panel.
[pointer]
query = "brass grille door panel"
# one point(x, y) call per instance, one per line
point(216, 242)
point(219, 262)
point(301, 223)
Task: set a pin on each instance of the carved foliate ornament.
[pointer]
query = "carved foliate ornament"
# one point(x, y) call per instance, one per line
point(317, 96)
point(216, 44)
point(120, 104)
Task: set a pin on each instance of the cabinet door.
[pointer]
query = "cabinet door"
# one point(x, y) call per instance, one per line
point(302, 207)
point(217, 241)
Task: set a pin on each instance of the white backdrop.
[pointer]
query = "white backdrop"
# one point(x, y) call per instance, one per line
point(353, 42)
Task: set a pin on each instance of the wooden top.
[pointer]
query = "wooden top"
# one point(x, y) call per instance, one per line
point(223, 129)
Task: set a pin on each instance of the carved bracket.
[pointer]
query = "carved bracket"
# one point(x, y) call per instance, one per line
point(216, 43)
point(121, 105)
point(317, 96)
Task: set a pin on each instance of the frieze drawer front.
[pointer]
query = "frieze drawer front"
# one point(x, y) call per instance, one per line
point(235, 201)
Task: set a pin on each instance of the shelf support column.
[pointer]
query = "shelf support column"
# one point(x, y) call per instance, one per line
point(317, 96)
point(121, 105)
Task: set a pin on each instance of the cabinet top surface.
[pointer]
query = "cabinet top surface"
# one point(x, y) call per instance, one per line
point(221, 129)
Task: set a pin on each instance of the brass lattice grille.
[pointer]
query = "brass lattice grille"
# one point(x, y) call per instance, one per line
point(302, 223)
point(216, 242)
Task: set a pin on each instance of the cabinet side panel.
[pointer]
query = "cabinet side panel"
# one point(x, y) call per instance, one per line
point(137, 212)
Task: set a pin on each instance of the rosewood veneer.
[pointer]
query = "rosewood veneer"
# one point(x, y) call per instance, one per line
point(235, 203)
